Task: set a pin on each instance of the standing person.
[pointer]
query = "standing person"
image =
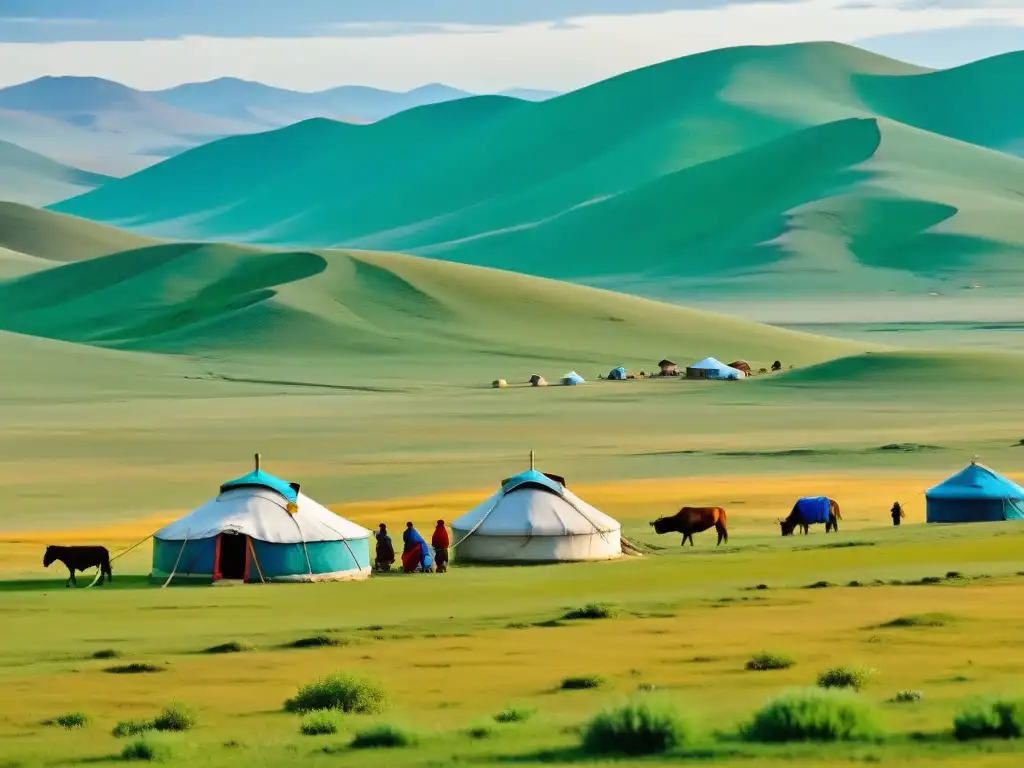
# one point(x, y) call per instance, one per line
point(385, 550)
point(416, 553)
point(897, 513)
point(440, 542)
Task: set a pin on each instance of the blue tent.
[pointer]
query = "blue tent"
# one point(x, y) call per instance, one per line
point(617, 374)
point(975, 494)
point(710, 368)
point(572, 379)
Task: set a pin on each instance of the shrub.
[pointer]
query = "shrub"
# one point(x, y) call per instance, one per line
point(316, 641)
point(643, 727)
point(383, 736)
point(340, 691)
point(995, 719)
point(106, 653)
point(764, 661)
point(582, 682)
point(320, 723)
point(175, 717)
point(145, 749)
point(905, 697)
point(514, 715)
point(590, 611)
point(813, 715)
point(132, 728)
point(854, 678)
point(136, 668)
point(232, 647)
point(69, 721)
point(921, 620)
point(480, 731)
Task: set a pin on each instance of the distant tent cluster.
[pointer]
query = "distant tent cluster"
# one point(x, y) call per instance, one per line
point(710, 368)
point(975, 494)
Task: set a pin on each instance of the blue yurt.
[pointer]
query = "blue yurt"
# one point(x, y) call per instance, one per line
point(259, 528)
point(571, 379)
point(975, 494)
point(617, 374)
point(710, 368)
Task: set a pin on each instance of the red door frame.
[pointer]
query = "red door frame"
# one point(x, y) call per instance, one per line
point(216, 558)
point(217, 575)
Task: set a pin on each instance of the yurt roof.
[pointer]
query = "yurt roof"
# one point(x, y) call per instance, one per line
point(976, 481)
point(532, 504)
point(262, 479)
point(257, 511)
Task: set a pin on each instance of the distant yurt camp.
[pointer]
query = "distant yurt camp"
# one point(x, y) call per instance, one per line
point(534, 518)
point(975, 494)
point(259, 528)
point(571, 379)
point(710, 368)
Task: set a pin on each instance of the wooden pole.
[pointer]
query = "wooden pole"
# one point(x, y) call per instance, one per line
point(257, 457)
point(531, 459)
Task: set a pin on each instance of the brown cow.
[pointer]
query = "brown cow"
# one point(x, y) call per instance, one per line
point(691, 520)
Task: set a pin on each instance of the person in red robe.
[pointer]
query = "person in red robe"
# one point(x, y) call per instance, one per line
point(440, 542)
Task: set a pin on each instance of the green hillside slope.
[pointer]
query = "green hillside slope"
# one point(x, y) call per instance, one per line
point(54, 237)
point(290, 313)
point(784, 169)
point(32, 179)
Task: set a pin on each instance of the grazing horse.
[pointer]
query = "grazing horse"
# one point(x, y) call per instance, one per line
point(802, 517)
point(78, 559)
point(691, 520)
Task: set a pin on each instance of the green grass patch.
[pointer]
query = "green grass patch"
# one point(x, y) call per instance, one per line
point(176, 718)
point(341, 691)
point(127, 728)
point(583, 682)
point(765, 661)
point(994, 719)
point(105, 654)
point(813, 715)
point(480, 731)
point(320, 723)
point(146, 750)
point(514, 715)
point(851, 678)
point(232, 647)
point(590, 611)
point(135, 668)
point(920, 620)
point(70, 721)
point(907, 697)
point(643, 727)
point(384, 737)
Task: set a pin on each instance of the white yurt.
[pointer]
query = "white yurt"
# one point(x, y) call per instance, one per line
point(534, 518)
point(259, 528)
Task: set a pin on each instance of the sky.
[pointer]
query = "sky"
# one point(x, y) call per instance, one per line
point(479, 45)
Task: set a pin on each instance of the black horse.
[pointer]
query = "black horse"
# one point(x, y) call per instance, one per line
point(78, 559)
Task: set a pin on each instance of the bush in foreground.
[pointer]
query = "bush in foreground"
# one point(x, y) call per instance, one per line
point(175, 717)
point(813, 715)
point(70, 721)
point(145, 750)
point(853, 678)
point(322, 723)
point(582, 682)
point(383, 737)
point(995, 719)
point(514, 715)
point(764, 662)
point(643, 727)
point(342, 692)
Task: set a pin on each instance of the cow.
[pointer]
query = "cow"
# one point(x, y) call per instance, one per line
point(797, 518)
point(78, 559)
point(691, 520)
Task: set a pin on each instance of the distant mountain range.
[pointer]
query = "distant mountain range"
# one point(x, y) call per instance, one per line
point(801, 168)
point(109, 128)
point(30, 178)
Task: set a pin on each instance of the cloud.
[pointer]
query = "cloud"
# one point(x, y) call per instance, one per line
point(122, 20)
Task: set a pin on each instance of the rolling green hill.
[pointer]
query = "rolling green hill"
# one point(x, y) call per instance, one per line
point(780, 170)
point(32, 179)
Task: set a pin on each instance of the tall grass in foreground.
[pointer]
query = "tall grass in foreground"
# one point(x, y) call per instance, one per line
point(320, 723)
point(813, 715)
point(642, 727)
point(995, 719)
point(342, 692)
point(144, 749)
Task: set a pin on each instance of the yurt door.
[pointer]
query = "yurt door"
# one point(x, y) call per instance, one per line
point(232, 556)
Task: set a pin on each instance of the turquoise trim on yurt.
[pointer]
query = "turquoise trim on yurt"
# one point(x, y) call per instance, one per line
point(288, 561)
point(196, 559)
point(975, 494)
point(256, 477)
point(531, 477)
